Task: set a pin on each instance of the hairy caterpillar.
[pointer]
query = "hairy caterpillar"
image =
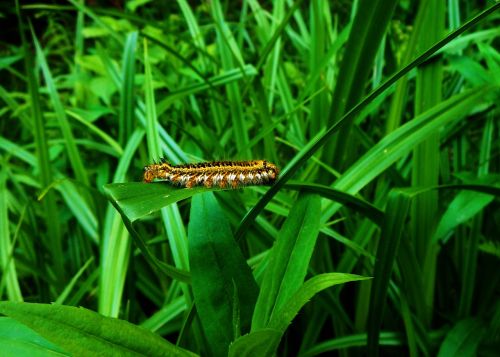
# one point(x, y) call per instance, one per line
point(222, 174)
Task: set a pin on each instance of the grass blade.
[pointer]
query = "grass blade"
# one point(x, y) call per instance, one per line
point(392, 230)
point(127, 103)
point(288, 259)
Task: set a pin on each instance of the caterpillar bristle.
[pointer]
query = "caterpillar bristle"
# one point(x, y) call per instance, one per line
point(223, 174)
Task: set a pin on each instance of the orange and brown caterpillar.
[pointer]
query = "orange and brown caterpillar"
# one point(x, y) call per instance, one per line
point(222, 174)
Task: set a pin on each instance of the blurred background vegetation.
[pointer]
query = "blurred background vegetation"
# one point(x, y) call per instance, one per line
point(386, 109)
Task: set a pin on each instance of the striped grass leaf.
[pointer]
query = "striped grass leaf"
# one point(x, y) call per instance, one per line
point(426, 155)
point(53, 242)
point(79, 331)
point(85, 216)
point(78, 72)
point(368, 28)
point(396, 213)
point(229, 53)
point(400, 97)
point(223, 286)
point(9, 279)
point(205, 64)
point(472, 247)
point(72, 149)
point(126, 119)
point(319, 40)
point(289, 258)
point(73, 282)
point(165, 315)
point(83, 117)
point(169, 146)
point(115, 243)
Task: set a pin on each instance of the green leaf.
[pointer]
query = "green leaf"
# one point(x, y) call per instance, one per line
point(463, 339)
point(80, 208)
point(288, 259)
point(83, 332)
point(368, 29)
point(221, 279)
point(166, 269)
point(463, 207)
point(229, 53)
point(64, 125)
point(115, 241)
point(260, 343)
point(396, 212)
point(127, 100)
point(18, 340)
point(137, 199)
point(265, 341)
point(344, 342)
point(351, 201)
point(9, 275)
point(282, 319)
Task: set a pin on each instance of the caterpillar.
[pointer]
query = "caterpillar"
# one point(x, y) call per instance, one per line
point(223, 174)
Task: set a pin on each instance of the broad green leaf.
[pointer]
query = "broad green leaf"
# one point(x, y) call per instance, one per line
point(18, 340)
point(83, 332)
point(138, 199)
point(221, 279)
point(289, 259)
point(260, 343)
point(463, 339)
